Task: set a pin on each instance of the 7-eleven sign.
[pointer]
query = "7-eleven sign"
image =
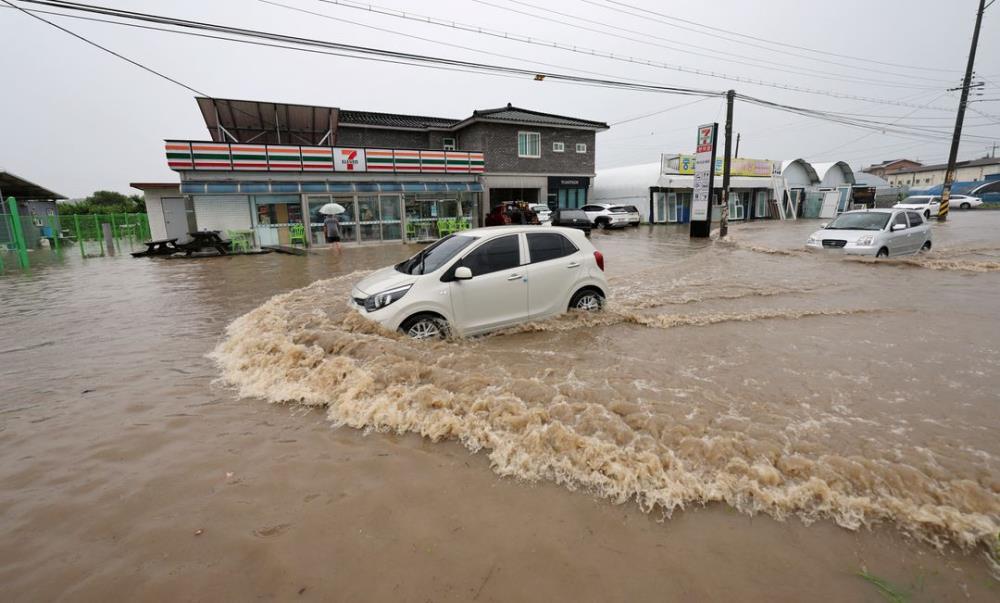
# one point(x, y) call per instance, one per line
point(705, 139)
point(349, 160)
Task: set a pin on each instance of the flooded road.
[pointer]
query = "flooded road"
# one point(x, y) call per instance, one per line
point(746, 420)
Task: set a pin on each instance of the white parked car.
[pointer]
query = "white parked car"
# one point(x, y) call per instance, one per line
point(877, 232)
point(964, 201)
point(484, 279)
point(605, 215)
point(542, 211)
point(926, 205)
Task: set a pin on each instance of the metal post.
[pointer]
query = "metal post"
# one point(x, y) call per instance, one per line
point(22, 247)
point(956, 138)
point(109, 238)
point(726, 161)
point(79, 235)
point(53, 225)
point(97, 234)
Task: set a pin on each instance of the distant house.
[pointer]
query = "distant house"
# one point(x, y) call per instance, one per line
point(924, 176)
point(881, 169)
point(36, 206)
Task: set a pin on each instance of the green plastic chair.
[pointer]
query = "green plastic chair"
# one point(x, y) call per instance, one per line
point(238, 241)
point(297, 233)
point(411, 230)
point(463, 224)
point(444, 228)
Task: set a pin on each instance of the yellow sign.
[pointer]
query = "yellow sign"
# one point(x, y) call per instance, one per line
point(762, 168)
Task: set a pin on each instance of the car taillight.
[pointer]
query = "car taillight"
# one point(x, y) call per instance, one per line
point(599, 258)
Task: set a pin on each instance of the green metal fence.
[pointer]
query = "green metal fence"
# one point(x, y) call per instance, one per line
point(20, 233)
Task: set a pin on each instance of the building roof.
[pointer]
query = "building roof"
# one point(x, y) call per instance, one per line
point(822, 169)
point(12, 185)
point(887, 163)
point(944, 166)
point(284, 123)
point(152, 186)
point(395, 120)
point(514, 114)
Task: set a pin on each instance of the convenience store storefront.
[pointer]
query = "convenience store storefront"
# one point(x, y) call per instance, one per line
point(390, 195)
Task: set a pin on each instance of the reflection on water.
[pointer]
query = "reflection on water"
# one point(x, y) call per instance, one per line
point(748, 373)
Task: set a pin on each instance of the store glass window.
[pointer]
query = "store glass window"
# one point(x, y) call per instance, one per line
point(274, 216)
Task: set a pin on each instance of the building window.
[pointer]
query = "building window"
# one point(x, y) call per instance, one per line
point(558, 147)
point(448, 144)
point(581, 147)
point(529, 144)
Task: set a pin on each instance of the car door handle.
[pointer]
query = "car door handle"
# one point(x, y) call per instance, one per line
point(573, 265)
point(513, 277)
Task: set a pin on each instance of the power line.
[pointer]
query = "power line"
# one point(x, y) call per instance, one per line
point(603, 30)
point(783, 44)
point(367, 53)
point(668, 109)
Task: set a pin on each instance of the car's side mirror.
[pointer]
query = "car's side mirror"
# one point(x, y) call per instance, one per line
point(896, 227)
point(463, 273)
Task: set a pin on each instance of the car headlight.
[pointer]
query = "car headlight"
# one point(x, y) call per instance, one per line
point(813, 240)
point(865, 241)
point(383, 299)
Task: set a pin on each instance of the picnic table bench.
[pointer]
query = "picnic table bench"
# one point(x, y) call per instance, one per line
point(158, 247)
point(205, 239)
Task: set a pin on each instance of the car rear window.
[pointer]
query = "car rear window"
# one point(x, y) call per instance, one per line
point(632, 208)
point(549, 246)
point(572, 214)
point(617, 209)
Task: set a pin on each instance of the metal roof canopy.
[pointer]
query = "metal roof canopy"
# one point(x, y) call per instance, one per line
point(267, 123)
point(22, 190)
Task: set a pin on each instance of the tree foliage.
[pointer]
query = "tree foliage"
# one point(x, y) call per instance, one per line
point(105, 202)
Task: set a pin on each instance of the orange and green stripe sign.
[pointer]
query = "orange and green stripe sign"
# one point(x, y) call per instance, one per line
point(193, 155)
point(284, 158)
point(210, 156)
point(380, 160)
point(179, 155)
point(317, 159)
point(406, 161)
point(432, 161)
point(249, 157)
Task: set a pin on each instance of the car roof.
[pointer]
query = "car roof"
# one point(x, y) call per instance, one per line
point(875, 210)
point(512, 229)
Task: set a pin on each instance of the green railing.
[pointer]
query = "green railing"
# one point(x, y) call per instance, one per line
point(19, 233)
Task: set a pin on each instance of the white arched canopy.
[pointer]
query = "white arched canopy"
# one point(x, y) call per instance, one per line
point(798, 173)
point(834, 174)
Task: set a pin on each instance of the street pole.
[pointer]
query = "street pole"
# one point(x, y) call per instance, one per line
point(956, 139)
point(726, 161)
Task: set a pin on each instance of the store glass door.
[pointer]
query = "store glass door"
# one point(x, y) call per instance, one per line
point(274, 216)
point(672, 207)
point(390, 207)
point(368, 220)
point(348, 219)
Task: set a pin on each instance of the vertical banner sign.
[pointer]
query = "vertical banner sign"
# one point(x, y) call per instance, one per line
point(704, 171)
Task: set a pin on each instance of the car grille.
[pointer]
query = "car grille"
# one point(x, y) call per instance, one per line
point(834, 243)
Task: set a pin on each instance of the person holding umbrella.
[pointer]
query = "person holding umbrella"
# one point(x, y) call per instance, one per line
point(331, 225)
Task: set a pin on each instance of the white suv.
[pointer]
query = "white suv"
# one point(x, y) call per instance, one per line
point(605, 215)
point(484, 279)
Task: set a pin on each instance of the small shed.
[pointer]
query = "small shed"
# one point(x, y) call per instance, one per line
point(36, 206)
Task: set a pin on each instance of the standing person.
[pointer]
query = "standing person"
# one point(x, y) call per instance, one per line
point(331, 226)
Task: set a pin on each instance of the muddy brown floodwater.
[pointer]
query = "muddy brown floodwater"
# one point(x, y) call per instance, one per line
point(746, 421)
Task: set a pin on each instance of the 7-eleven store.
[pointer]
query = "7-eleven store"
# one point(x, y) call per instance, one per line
point(391, 195)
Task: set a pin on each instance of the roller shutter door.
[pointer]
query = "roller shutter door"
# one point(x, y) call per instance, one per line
point(222, 212)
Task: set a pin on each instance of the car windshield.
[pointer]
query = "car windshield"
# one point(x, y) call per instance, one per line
point(860, 221)
point(436, 255)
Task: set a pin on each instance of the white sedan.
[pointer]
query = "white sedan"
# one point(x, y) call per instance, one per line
point(484, 279)
point(964, 201)
point(878, 232)
point(926, 205)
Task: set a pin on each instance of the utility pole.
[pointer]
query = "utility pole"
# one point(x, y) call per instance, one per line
point(726, 161)
point(949, 175)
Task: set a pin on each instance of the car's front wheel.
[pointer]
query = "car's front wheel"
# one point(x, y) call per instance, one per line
point(588, 300)
point(882, 253)
point(425, 326)
point(926, 247)
point(927, 214)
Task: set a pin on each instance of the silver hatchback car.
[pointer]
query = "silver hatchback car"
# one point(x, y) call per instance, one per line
point(877, 232)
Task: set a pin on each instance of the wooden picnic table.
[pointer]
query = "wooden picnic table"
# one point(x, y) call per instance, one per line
point(205, 239)
point(159, 247)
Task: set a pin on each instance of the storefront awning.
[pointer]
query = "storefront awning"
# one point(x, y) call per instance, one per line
point(231, 188)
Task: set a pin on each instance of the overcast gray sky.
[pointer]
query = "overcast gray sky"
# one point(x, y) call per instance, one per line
point(76, 119)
